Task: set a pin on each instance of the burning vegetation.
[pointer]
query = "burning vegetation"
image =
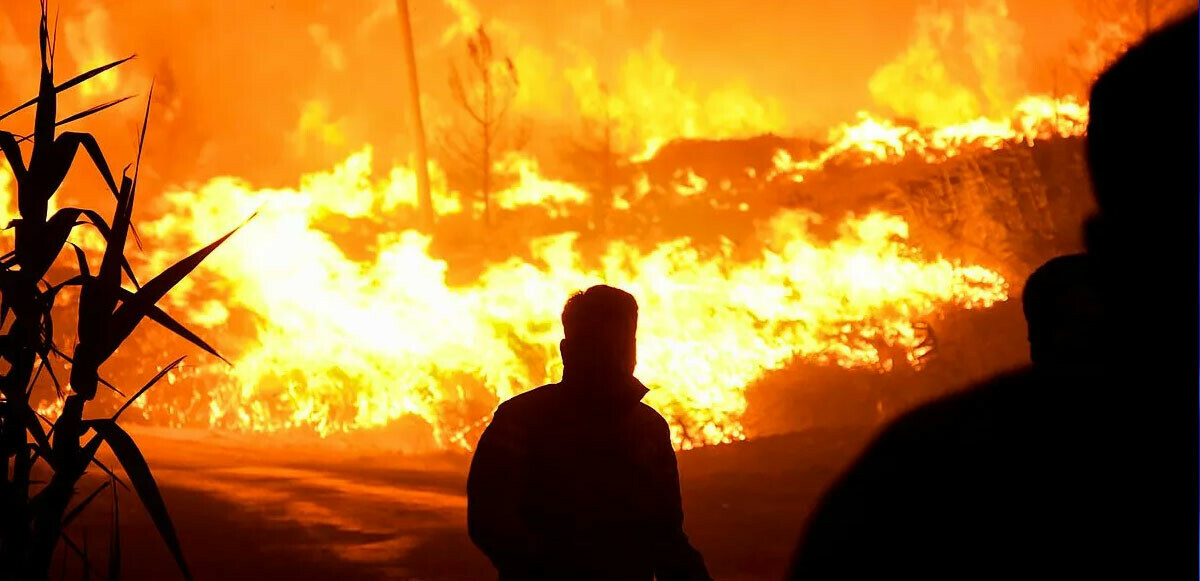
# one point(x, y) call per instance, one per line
point(751, 253)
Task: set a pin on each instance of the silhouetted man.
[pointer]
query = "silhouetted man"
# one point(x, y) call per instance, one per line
point(1062, 473)
point(577, 480)
point(1064, 315)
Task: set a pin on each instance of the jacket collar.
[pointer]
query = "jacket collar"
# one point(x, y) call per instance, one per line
point(623, 392)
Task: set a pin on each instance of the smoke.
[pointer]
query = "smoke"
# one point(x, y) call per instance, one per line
point(267, 90)
point(918, 83)
point(994, 47)
point(961, 64)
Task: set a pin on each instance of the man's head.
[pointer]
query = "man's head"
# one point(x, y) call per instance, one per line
point(1063, 310)
point(600, 328)
point(1142, 152)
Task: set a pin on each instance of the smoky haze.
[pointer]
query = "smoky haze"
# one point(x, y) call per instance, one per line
point(266, 89)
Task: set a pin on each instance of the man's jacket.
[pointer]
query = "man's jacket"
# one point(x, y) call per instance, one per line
point(578, 481)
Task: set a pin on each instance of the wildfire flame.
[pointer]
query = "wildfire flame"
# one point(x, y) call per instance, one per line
point(873, 140)
point(329, 337)
point(346, 343)
point(343, 343)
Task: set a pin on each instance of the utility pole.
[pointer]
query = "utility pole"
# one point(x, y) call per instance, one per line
point(424, 197)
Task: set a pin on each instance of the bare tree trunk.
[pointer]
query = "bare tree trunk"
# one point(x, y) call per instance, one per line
point(486, 185)
point(487, 143)
point(424, 196)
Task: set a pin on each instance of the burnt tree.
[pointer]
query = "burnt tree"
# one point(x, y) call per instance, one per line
point(415, 120)
point(484, 88)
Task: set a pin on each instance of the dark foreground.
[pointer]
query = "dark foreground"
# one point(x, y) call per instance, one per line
point(258, 509)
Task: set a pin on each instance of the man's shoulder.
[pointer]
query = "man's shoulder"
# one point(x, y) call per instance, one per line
point(954, 419)
point(643, 412)
point(648, 420)
point(969, 405)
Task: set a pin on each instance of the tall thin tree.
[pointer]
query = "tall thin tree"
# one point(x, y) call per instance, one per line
point(485, 90)
point(415, 121)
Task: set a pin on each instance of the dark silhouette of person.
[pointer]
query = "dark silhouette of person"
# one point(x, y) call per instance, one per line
point(1064, 315)
point(577, 480)
point(1062, 471)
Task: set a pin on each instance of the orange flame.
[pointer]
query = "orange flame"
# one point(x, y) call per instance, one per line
point(329, 341)
point(874, 140)
point(344, 344)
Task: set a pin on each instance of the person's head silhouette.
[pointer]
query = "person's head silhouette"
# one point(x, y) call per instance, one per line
point(1063, 311)
point(600, 328)
point(1142, 151)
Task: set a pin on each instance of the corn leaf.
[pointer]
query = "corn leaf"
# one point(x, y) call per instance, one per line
point(110, 473)
point(101, 226)
point(114, 542)
point(68, 84)
point(58, 389)
point(77, 79)
point(137, 165)
point(78, 551)
point(74, 512)
point(135, 466)
point(130, 313)
point(88, 452)
point(80, 115)
point(12, 152)
point(47, 98)
point(54, 237)
point(148, 385)
point(18, 108)
point(97, 302)
point(39, 436)
point(81, 258)
point(156, 314)
point(68, 359)
point(93, 110)
point(66, 146)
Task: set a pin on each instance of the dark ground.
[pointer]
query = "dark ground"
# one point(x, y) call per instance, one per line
point(257, 509)
point(299, 508)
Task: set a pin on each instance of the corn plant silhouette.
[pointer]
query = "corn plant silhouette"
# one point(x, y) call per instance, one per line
point(33, 518)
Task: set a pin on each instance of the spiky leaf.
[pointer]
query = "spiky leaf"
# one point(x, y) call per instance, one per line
point(68, 84)
point(114, 542)
point(74, 512)
point(130, 313)
point(12, 152)
point(148, 385)
point(135, 466)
